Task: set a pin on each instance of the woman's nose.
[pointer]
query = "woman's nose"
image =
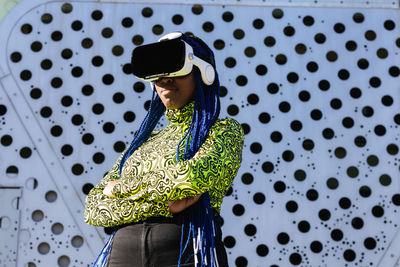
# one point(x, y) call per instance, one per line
point(164, 80)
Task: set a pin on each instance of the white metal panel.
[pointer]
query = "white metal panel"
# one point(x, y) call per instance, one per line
point(269, 184)
point(9, 225)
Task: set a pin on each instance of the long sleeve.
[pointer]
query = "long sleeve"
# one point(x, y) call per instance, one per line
point(213, 170)
point(101, 210)
point(151, 176)
point(104, 211)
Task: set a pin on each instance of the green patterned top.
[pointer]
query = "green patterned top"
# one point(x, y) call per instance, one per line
point(151, 176)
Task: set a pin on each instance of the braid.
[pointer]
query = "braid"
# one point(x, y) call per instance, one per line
point(200, 48)
point(207, 103)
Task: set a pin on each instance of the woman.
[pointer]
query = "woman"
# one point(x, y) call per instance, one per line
point(167, 186)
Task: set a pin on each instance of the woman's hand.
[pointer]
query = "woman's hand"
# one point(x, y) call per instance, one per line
point(109, 187)
point(179, 205)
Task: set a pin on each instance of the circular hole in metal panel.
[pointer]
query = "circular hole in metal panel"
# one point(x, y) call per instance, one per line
point(37, 215)
point(5, 223)
point(51, 196)
point(31, 183)
point(77, 241)
point(12, 171)
point(63, 261)
point(44, 248)
point(57, 228)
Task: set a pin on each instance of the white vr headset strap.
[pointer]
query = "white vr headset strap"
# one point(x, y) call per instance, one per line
point(170, 36)
point(206, 70)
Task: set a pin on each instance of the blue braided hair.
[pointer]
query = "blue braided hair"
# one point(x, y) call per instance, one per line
point(154, 114)
point(205, 112)
point(206, 104)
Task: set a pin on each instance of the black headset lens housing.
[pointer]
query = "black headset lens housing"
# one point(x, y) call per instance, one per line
point(158, 59)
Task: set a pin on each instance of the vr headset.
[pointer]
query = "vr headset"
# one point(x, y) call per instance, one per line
point(171, 56)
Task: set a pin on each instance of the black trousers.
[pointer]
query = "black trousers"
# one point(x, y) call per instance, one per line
point(156, 243)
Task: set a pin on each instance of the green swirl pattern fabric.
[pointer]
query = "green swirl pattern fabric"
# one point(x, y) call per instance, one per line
point(151, 176)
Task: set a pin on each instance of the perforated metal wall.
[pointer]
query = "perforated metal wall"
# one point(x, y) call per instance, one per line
point(315, 89)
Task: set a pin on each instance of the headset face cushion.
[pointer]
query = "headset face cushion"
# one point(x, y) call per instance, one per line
point(158, 59)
